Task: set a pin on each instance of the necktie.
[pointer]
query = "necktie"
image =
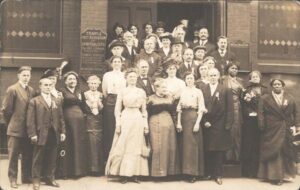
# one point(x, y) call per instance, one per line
point(189, 67)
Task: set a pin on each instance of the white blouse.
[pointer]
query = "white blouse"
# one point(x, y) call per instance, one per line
point(175, 86)
point(113, 82)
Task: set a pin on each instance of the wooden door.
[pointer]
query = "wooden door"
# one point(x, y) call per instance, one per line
point(131, 12)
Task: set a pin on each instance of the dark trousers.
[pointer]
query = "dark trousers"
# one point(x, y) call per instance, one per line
point(17, 146)
point(44, 158)
point(214, 163)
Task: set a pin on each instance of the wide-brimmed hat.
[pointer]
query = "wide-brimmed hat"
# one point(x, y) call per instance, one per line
point(166, 35)
point(49, 73)
point(199, 47)
point(177, 41)
point(115, 43)
point(276, 77)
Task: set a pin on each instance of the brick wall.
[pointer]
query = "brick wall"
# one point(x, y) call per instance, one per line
point(93, 16)
point(71, 33)
point(238, 21)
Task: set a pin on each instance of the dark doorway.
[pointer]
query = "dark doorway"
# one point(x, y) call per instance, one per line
point(198, 14)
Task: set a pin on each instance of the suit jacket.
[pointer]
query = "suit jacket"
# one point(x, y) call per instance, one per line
point(210, 47)
point(162, 54)
point(220, 116)
point(221, 62)
point(147, 88)
point(14, 109)
point(275, 122)
point(130, 58)
point(183, 69)
point(154, 60)
point(41, 117)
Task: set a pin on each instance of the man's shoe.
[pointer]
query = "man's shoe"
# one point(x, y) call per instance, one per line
point(13, 184)
point(218, 180)
point(26, 181)
point(52, 183)
point(36, 186)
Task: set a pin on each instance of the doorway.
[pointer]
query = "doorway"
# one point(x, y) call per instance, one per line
point(198, 14)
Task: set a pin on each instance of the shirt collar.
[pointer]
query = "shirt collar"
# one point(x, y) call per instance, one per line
point(23, 85)
point(46, 96)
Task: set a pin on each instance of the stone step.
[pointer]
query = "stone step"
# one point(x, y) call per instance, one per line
point(232, 170)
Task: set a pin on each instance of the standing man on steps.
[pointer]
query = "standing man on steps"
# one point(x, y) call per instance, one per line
point(14, 109)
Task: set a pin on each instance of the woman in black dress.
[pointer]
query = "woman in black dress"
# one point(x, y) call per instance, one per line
point(251, 132)
point(76, 141)
point(93, 108)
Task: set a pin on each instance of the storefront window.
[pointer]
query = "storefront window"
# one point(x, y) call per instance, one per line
point(279, 30)
point(31, 26)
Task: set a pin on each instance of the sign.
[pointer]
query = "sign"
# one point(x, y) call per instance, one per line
point(93, 45)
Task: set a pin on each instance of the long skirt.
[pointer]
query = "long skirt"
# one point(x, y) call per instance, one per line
point(278, 168)
point(109, 122)
point(75, 162)
point(233, 154)
point(165, 157)
point(125, 157)
point(250, 147)
point(192, 144)
point(95, 143)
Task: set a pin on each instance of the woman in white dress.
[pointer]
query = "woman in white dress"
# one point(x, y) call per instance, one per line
point(125, 158)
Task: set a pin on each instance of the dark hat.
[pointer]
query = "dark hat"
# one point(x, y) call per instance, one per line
point(276, 77)
point(70, 73)
point(177, 41)
point(166, 35)
point(24, 68)
point(199, 47)
point(49, 73)
point(160, 24)
point(115, 43)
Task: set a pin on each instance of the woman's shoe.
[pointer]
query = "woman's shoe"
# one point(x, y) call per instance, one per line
point(192, 179)
point(136, 180)
point(124, 180)
point(277, 182)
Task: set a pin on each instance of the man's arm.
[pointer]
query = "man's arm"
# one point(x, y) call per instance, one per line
point(8, 104)
point(31, 118)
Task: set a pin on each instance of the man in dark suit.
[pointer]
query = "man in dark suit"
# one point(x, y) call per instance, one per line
point(222, 55)
point(153, 59)
point(45, 128)
point(187, 64)
point(203, 41)
point(130, 51)
point(143, 81)
point(217, 123)
point(14, 109)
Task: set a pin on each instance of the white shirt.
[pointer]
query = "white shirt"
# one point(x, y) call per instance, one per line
point(187, 65)
point(23, 85)
point(47, 98)
point(175, 86)
point(113, 82)
point(129, 49)
point(213, 88)
point(202, 42)
point(166, 51)
point(222, 53)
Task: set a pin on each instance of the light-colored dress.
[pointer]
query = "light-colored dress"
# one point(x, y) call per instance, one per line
point(125, 157)
point(190, 104)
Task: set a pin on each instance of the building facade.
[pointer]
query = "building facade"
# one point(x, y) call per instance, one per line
point(263, 34)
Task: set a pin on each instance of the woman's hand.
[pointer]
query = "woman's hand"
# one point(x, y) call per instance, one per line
point(118, 129)
point(146, 130)
point(196, 128)
point(179, 128)
point(207, 125)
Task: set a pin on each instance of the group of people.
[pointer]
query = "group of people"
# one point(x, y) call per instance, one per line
point(169, 108)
